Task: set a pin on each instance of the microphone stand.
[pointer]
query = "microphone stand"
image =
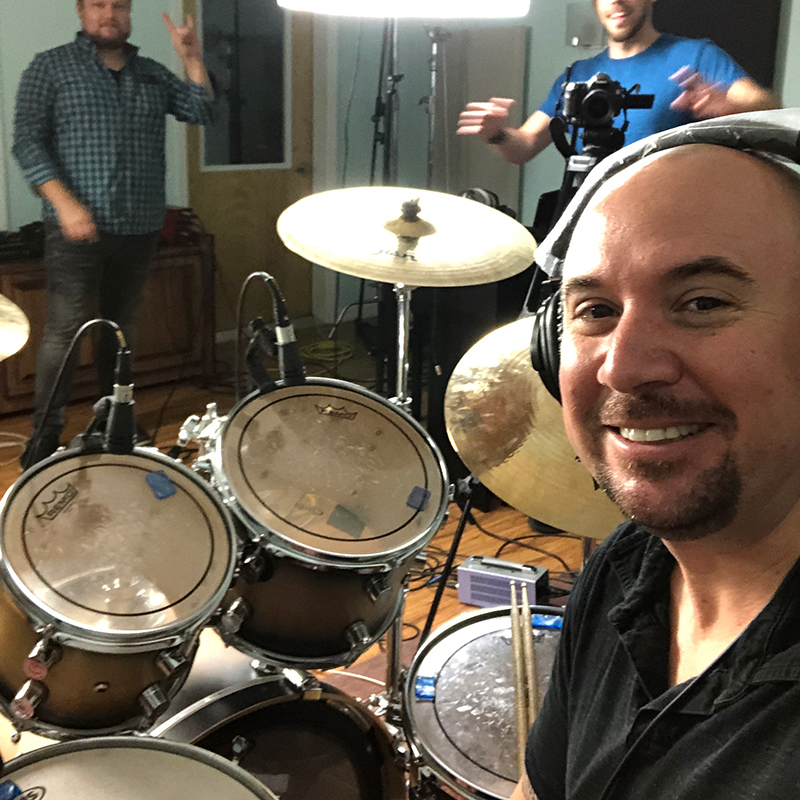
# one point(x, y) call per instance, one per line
point(463, 489)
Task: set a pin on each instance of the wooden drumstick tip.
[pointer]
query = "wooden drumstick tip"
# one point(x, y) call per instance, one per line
point(529, 657)
point(520, 698)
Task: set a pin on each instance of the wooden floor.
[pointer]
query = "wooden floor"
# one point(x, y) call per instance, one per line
point(170, 405)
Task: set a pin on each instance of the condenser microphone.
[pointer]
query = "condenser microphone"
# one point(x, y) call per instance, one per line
point(293, 371)
point(121, 427)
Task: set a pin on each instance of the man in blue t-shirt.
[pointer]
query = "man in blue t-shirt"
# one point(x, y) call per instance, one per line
point(690, 78)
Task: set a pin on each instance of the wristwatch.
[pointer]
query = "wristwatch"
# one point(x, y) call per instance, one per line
point(498, 138)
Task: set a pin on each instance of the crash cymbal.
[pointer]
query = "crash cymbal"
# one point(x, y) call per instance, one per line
point(14, 328)
point(366, 232)
point(508, 430)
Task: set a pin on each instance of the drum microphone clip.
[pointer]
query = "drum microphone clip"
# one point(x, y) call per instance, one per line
point(262, 344)
point(121, 427)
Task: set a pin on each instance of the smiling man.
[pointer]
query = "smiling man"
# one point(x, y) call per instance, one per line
point(690, 79)
point(678, 674)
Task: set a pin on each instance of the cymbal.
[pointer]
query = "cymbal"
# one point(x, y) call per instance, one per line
point(364, 231)
point(14, 328)
point(509, 431)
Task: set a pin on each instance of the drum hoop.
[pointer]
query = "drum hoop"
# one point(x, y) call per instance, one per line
point(87, 637)
point(253, 695)
point(143, 743)
point(428, 758)
point(253, 699)
point(279, 543)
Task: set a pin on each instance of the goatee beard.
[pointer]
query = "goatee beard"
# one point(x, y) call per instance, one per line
point(709, 507)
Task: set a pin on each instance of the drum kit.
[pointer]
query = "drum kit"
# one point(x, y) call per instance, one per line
point(164, 622)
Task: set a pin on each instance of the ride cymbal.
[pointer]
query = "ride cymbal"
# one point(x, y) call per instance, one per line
point(14, 328)
point(509, 431)
point(367, 232)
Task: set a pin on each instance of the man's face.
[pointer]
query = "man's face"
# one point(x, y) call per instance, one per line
point(681, 349)
point(624, 19)
point(106, 22)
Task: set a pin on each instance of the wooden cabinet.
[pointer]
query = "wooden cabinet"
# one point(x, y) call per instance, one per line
point(175, 333)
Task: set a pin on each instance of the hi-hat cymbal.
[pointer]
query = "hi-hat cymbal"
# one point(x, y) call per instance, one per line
point(509, 431)
point(364, 232)
point(14, 328)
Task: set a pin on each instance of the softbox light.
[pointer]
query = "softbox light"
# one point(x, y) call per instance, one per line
point(413, 9)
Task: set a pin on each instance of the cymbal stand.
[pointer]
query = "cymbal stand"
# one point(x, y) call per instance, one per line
point(403, 295)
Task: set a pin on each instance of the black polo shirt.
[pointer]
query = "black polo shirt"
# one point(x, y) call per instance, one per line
point(733, 733)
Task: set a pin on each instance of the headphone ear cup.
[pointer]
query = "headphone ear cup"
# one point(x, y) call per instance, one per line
point(546, 343)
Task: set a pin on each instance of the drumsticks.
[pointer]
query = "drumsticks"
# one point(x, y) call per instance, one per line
point(526, 690)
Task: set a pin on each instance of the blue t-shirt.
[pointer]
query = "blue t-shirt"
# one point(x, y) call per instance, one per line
point(651, 70)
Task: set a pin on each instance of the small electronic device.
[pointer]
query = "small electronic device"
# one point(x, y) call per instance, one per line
point(486, 581)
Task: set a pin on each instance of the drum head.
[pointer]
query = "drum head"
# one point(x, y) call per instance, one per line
point(320, 744)
point(460, 699)
point(335, 471)
point(115, 547)
point(128, 768)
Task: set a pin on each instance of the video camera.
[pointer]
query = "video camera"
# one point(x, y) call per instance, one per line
point(595, 103)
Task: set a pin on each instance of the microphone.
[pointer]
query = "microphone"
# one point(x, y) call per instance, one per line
point(121, 427)
point(293, 371)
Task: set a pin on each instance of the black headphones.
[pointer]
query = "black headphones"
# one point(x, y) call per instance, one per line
point(771, 133)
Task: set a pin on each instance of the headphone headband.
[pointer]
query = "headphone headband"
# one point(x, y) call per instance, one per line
point(774, 133)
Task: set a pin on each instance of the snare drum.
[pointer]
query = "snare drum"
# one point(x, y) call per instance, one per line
point(111, 566)
point(301, 738)
point(129, 768)
point(337, 491)
point(459, 701)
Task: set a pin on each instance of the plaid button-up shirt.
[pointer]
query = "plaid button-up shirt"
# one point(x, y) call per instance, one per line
point(102, 135)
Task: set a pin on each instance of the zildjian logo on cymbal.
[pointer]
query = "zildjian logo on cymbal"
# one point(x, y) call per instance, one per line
point(57, 503)
point(337, 413)
point(395, 254)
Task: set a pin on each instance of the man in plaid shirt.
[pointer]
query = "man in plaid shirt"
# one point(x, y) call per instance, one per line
point(89, 134)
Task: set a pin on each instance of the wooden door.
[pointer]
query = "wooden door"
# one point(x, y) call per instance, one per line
point(240, 207)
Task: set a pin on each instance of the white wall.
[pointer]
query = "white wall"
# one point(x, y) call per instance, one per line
point(30, 26)
point(787, 81)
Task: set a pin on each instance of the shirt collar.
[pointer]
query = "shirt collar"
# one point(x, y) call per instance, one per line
point(767, 650)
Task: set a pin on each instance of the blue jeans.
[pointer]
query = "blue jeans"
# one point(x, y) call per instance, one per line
point(85, 280)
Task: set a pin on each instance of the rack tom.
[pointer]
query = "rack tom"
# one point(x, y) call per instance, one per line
point(336, 491)
point(111, 566)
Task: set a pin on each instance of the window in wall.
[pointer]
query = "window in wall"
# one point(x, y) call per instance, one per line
point(246, 49)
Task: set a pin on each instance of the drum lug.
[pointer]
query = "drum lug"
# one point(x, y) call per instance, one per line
point(173, 663)
point(153, 701)
point(240, 747)
point(301, 681)
point(44, 655)
point(255, 564)
point(234, 617)
point(376, 586)
point(358, 635)
point(24, 704)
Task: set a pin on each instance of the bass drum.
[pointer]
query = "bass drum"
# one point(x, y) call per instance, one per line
point(459, 702)
point(127, 768)
point(337, 491)
point(112, 565)
point(301, 738)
